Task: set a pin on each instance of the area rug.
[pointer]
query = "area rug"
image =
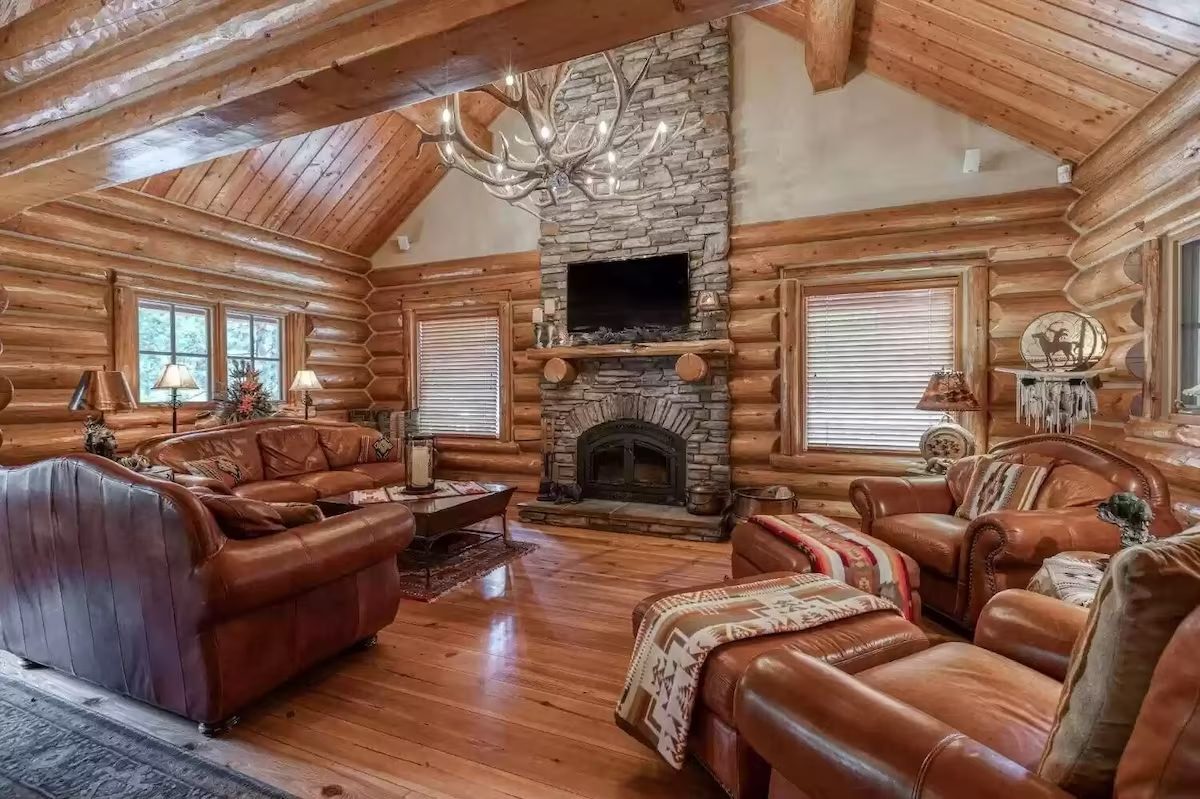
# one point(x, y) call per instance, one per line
point(55, 750)
point(459, 569)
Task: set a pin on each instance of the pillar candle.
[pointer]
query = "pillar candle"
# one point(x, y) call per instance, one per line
point(538, 316)
point(420, 476)
point(550, 307)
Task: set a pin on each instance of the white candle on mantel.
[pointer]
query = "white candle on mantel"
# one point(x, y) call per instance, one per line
point(550, 306)
point(420, 468)
point(538, 316)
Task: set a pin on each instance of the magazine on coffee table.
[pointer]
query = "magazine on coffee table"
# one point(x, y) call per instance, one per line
point(443, 489)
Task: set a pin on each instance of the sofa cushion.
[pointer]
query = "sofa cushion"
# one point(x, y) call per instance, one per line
point(298, 514)
point(931, 539)
point(1146, 593)
point(290, 450)
point(343, 445)
point(277, 491)
point(987, 697)
point(382, 474)
point(240, 446)
point(998, 484)
point(222, 468)
point(1072, 486)
point(328, 484)
point(242, 518)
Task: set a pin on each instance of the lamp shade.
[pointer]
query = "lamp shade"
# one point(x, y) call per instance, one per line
point(306, 380)
point(948, 391)
point(102, 391)
point(176, 376)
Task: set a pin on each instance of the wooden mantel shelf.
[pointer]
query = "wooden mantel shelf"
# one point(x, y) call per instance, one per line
point(649, 349)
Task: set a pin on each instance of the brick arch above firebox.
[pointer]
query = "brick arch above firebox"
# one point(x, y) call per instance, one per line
point(662, 411)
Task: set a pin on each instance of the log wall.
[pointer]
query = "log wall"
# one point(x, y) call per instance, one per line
point(1020, 238)
point(68, 265)
point(511, 279)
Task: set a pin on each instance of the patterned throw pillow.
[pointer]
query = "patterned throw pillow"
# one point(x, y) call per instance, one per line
point(1000, 485)
point(378, 449)
point(222, 468)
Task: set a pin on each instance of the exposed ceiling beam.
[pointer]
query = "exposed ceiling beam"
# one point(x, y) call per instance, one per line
point(120, 111)
point(830, 34)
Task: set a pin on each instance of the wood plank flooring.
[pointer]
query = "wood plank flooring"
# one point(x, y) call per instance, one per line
point(503, 689)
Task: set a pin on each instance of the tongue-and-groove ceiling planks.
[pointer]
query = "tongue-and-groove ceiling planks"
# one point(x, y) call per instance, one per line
point(1061, 75)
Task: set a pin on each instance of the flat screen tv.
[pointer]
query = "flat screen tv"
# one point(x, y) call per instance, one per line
point(618, 295)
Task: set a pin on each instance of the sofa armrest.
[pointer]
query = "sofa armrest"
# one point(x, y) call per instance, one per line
point(255, 573)
point(196, 481)
point(1034, 630)
point(877, 497)
point(834, 736)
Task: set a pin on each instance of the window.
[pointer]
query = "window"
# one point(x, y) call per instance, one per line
point(1188, 328)
point(868, 356)
point(257, 340)
point(458, 375)
point(173, 333)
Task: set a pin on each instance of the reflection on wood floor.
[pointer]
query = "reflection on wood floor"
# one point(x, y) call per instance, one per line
point(504, 688)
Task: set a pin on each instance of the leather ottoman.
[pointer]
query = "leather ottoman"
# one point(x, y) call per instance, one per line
point(852, 645)
point(756, 552)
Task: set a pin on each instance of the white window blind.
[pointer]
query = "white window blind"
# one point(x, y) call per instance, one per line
point(868, 357)
point(459, 375)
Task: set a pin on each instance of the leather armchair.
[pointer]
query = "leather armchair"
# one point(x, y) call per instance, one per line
point(128, 582)
point(959, 720)
point(965, 563)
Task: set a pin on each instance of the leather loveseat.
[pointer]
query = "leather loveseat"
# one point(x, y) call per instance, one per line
point(280, 460)
point(128, 582)
point(964, 563)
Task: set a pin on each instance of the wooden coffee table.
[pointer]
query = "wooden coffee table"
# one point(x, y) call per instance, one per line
point(435, 519)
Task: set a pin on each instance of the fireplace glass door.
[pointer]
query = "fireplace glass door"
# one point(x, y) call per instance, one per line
point(632, 461)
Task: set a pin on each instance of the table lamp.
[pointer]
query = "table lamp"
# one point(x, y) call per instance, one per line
point(175, 377)
point(101, 391)
point(946, 441)
point(306, 381)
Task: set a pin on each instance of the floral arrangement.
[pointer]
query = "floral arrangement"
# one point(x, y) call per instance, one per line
point(1132, 514)
point(245, 398)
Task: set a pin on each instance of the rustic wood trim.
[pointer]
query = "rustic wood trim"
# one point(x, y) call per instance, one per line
point(791, 367)
point(975, 350)
point(650, 349)
point(295, 350)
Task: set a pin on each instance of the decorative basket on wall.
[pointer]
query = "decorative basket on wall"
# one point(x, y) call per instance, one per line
point(1057, 391)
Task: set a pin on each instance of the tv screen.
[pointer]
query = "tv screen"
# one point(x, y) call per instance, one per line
point(618, 295)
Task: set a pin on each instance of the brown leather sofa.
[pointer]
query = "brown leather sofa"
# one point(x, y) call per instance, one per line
point(127, 582)
point(964, 563)
point(960, 720)
point(281, 460)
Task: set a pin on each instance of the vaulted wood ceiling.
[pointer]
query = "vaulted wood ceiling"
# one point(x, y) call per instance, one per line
point(347, 186)
point(1059, 74)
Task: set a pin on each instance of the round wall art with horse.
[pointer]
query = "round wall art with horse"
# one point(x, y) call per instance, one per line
point(1063, 341)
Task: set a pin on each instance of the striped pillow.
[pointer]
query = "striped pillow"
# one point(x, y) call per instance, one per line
point(1000, 485)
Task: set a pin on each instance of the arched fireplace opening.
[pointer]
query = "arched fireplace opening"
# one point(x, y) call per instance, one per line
point(629, 460)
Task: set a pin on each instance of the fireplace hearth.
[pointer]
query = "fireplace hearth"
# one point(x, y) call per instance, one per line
point(630, 460)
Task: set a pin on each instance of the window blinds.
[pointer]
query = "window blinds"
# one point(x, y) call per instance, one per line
point(459, 375)
point(868, 357)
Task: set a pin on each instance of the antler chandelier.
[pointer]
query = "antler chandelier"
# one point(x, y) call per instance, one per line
point(596, 160)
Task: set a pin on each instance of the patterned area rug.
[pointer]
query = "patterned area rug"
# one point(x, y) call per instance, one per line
point(52, 749)
point(460, 569)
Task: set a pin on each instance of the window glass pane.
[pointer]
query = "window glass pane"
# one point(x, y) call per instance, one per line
point(191, 331)
point(154, 327)
point(868, 357)
point(237, 335)
point(269, 372)
point(199, 369)
point(150, 368)
point(459, 375)
point(1189, 327)
point(266, 338)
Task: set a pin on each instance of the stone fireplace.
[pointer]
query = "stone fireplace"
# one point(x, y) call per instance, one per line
point(629, 429)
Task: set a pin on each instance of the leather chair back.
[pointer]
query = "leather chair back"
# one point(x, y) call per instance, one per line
point(1126, 472)
point(238, 440)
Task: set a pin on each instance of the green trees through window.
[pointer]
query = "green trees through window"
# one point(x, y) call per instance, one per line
point(257, 339)
point(172, 333)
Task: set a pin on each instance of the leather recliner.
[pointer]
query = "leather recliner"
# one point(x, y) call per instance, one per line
point(128, 582)
point(964, 563)
point(281, 459)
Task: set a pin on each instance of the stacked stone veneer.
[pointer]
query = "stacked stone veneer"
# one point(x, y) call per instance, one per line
point(689, 72)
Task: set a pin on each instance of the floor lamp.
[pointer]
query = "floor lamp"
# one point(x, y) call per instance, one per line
point(307, 382)
point(175, 377)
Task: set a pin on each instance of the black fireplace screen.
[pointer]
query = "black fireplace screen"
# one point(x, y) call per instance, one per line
point(632, 461)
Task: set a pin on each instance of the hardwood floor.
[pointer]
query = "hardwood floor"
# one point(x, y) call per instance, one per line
point(504, 688)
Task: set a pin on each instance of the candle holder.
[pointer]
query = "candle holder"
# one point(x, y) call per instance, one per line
point(420, 460)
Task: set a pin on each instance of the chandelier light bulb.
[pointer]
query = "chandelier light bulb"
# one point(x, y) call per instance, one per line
point(446, 115)
point(603, 128)
point(588, 180)
point(509, 80)
point(612, 181)
point(612, 157)
point(545, 133)
point(662, 128)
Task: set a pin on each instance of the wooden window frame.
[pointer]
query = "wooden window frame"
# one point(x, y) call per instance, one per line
point(1164, 369)
point(484, 304)
point(127, 351)
point(225, 309)
point(210, 310)
point(969, 278)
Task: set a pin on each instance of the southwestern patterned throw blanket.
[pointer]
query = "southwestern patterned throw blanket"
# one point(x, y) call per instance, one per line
point(846, 554)
point(679, 631)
